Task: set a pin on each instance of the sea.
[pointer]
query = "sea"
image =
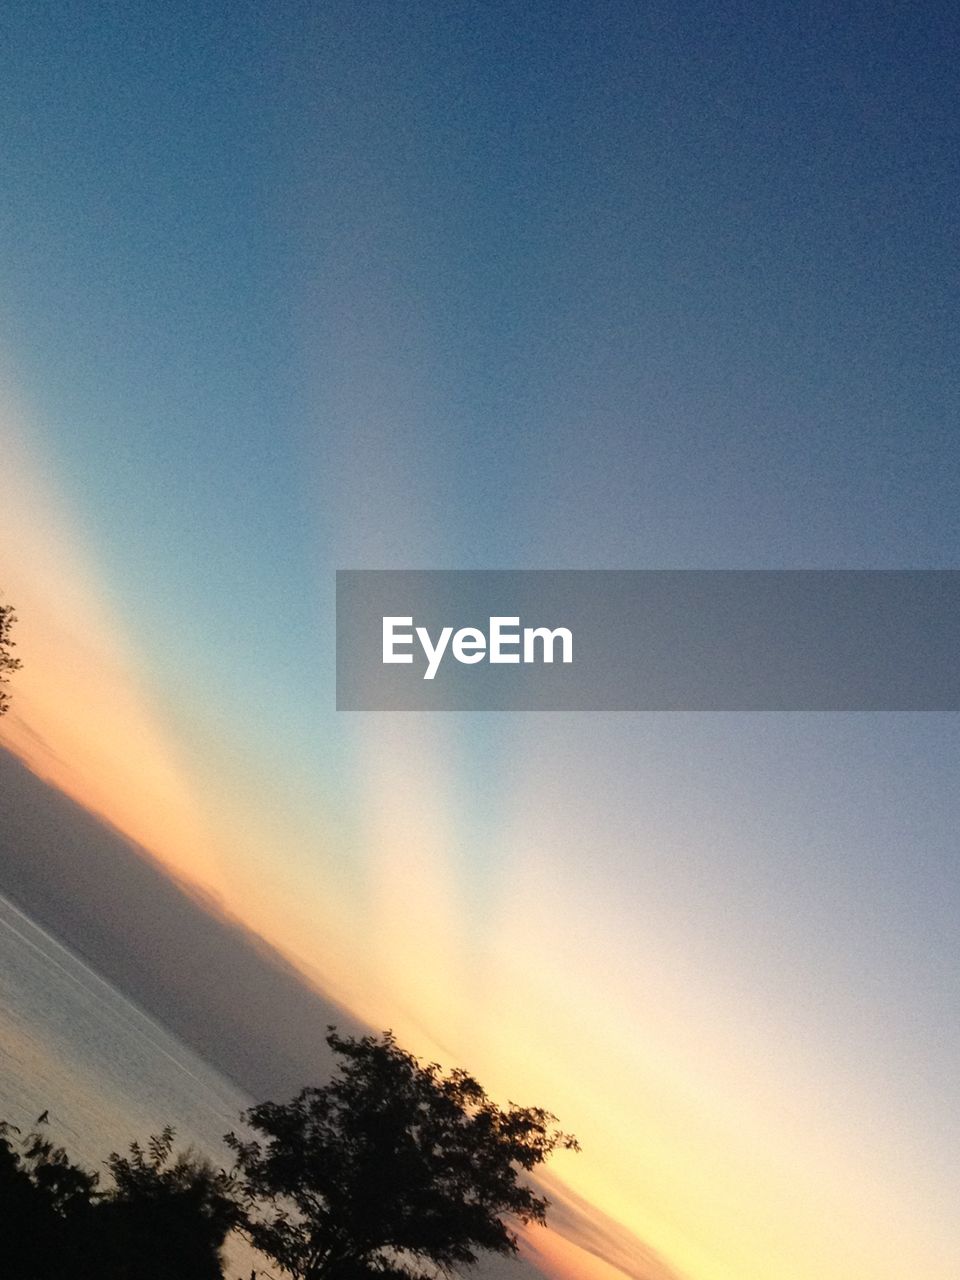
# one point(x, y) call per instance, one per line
point(106, 1073)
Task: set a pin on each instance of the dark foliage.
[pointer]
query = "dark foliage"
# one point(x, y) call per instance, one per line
point(393, 1170)
point(158, 1219)
point(182, 1209)
point(8, 662)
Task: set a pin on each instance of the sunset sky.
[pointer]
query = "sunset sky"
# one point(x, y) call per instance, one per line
point(515, 285)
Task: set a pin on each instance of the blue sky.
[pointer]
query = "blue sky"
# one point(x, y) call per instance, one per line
point(520, 285)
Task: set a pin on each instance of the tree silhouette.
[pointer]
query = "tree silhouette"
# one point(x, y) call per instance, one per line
point(169, 1216)
point(158, 1219)
point(392, 1170)
point(8, 662)
point(47, 1204)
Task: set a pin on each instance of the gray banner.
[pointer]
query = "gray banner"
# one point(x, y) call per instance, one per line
point(648, 640)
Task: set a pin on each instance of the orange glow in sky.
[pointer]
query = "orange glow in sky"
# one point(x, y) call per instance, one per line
point(649, 1065)
point(80, 718)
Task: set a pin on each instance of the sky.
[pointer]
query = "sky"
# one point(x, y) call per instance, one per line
point(504, 285)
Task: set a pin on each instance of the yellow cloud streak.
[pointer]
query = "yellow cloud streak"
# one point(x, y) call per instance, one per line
point(718, 1157)
point(80, 717)
point(702, 1174)
point(560, 1257)
point(82, 720)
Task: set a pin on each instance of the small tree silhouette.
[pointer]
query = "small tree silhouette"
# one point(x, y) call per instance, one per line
point(393, 1169)
point(47, 1206)
point(8, 662)
point(172, 1216)
point(158, 1219)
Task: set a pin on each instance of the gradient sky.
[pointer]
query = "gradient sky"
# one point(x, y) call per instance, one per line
point(432, 285)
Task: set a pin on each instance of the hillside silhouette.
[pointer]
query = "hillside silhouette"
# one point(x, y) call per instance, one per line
point(253, 1017)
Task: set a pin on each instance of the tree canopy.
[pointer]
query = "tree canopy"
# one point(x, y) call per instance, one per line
point(393, 1169)
point(158, 1218)
point(8, 662)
